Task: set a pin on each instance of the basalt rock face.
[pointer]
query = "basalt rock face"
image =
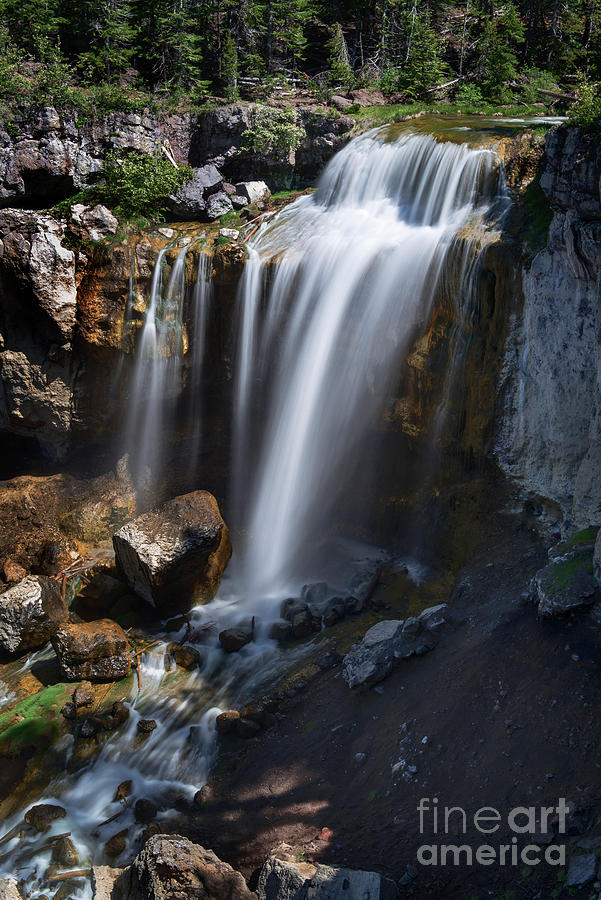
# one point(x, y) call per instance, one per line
point(549, 436)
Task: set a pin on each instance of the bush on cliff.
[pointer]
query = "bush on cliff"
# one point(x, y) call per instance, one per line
point(586, 111)
point(138, 184)
point(274, 131)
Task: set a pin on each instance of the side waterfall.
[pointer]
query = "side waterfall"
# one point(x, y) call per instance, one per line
point(336, 287)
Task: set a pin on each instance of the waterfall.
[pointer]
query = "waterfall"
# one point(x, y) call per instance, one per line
point(201, 308)
point(336, 287)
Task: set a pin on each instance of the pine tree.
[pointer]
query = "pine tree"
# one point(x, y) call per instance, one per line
point(229, 68)
point(341, 72)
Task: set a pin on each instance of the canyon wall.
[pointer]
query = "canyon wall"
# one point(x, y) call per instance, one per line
point(549, 429)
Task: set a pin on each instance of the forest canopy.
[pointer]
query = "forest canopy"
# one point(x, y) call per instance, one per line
point(111, 51)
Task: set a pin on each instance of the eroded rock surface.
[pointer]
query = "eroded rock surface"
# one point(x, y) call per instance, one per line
point(175, 555)
point(31, 612)
point(98, 651)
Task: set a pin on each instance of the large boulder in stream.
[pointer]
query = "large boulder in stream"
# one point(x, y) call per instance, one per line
point(174, 556)
point(31, 611)
point(97, 651)
point(171, 867)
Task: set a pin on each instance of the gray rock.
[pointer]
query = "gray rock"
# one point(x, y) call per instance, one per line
point(171, 867)
point(238, 202)
point(218, 205)
point(190, 201)
point(287, 879)
point(232, 234)
point(233, 639)
point(564, 586)
point(31, 612)
point(581, 870)
point(97, 651)
point(340, 103)
point(9, 889)
point(373, 658)
point(254, 191)
point(174, 556)
point(92, 223)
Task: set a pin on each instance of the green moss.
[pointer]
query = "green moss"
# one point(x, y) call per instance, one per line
point(537, 214)
point(34, 721)
point(586, 536)
point(564, 572)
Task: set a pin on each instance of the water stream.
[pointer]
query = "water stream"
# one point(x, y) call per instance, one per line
point(336, 288)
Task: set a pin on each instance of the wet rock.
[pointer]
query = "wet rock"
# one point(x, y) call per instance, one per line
point(185, 656)
point(218, 205)
point(64, 853)
point(116, 844)
point(254, 191)
point(315, 593)
point(123, 791)
point(98, 651)
point(171, 867)
point(151, 829)
point(145, 811)
point(174, 556)
point(386, 643)
point(282, 877)
point(226, 722)
point(231, 234)
point(119, 714)
point(304, 624)
point(13, 572)
point(261, 712)
point(334, 611)
point(564, 586)
point(280, 631)
point(204, 797)
point(233, 639)
point(9, 889)
point(146, 726)
point(190, 201)
point(43, 815)
point(92, 223)
point(31, 612)
point(328, 660)
point(83, 695)
point(69, 710)
point(581, 870)
point(246, 728)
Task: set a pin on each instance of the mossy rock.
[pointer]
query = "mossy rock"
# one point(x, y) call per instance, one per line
point(35, 721)
point(566, 585)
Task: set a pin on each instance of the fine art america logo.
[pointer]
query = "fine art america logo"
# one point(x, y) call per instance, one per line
point(525, 822)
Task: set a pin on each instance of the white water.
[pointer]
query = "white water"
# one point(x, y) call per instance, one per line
point(335, 288)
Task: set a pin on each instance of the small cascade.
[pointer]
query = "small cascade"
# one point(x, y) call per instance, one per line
point(202, 295)
point(156, 379)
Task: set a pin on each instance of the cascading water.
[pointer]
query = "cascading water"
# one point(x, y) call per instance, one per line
point(335, 288)
point(201, 308)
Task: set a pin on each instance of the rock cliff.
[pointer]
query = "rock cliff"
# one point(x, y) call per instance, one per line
point(549, 433)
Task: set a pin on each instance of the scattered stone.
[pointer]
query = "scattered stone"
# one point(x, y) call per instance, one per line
point(145, 811)
point(69, 710)
point(185, 656)
point(280, 631)
point(83, 695)
point(146, 726)
point(98, 651)
point(175, 555)
point(254, 191)
point(64, 853)
point(92, 223)
point(581, 870)
point(334, 612)
point(119, 714)
point(31, 612)
point(233, 639)
point(564, 586)
point(328, 660)
point(226, 722)
point(171, 867)
point(373, 658)
point(43, 815)
point(123, 791)
point(238, 201)
point(218, 205)
point(232, 234)
point(13, 572)
point(116, 844)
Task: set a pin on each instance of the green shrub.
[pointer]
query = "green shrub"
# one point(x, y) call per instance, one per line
point(535, 79)
point(586, 111)
point(274, 131)
point(469, 96)
point(138, 184)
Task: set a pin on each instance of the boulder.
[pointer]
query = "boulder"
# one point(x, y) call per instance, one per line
point(174, 556)
point(13, 572)
point(367, 98)
point(92, 223)
point(386, 643)
point(254, 191)
point(226, 722)
point(31, 612)
point(218, 205)
point(146, 726)
point(42, 816)
point(190, 201)
point(341, 103)
point(564, 586)
point(283, 877)
point(238, 201)
point(185, 656)
point(233, 639)
point(97, 651)
point(231, 234)
point(9, 889)
point(171, 867)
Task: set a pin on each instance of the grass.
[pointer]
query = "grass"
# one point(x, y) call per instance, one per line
point(564, 573)
point(35, 721)
point(586, 536)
